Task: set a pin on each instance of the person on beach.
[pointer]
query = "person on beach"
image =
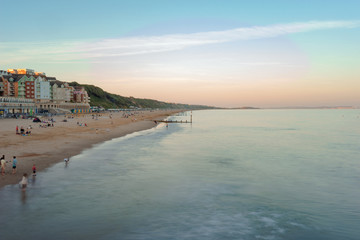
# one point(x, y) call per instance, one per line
point(3, 165)
point(17, 130)
point(34, 170)
point(23, 183)
point(14, 165)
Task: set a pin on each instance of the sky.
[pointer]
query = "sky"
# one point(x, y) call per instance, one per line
point(257, 53)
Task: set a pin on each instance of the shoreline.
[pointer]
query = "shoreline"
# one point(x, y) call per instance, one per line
point(46, 146)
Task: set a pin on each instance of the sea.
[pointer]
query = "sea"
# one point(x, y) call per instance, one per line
point(230, 174)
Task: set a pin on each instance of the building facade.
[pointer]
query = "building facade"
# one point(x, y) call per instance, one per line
point(4, 87)
point(27, 91)
point(8, 86)
point(42, 89)
point(81, 95)
point(12, 105)
point(26, 86)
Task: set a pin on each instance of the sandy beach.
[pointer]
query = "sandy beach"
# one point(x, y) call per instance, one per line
point(48, 145)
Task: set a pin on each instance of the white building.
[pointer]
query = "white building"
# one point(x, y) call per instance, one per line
point(42, 89)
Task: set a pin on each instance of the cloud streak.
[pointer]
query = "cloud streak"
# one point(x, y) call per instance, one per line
point(70, 51)
point(153, 44)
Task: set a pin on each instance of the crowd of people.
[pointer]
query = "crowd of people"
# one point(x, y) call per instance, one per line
point(22, 131)
point(10, 166)
point(81, 124)
point(47, 123)
point(14, 163)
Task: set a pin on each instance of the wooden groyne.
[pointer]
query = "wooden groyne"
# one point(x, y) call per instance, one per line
point(172, 121)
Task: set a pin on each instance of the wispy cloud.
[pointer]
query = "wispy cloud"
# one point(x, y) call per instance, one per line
point(70, 51)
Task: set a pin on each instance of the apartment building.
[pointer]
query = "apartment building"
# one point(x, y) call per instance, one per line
point(46, 92)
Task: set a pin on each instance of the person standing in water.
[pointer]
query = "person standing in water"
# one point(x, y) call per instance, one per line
point(24, 182)
point(34, 170)
point(3, 165)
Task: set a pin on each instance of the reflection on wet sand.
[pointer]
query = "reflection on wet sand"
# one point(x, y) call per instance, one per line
point(23, 197)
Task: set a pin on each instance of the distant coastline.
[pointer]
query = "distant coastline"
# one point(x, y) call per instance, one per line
point(291, 107)
point(320, 107)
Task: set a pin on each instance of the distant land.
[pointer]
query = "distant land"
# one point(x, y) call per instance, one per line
point(299, 107)
point(101, 98)
point(319, 107)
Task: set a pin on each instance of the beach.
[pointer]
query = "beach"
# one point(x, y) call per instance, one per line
point(51, 142)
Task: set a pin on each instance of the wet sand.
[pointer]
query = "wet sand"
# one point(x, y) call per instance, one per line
point(49, 145)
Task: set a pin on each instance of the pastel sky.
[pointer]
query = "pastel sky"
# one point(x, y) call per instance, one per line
point(260, 53)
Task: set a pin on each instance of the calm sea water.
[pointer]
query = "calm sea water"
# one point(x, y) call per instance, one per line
point(245, 174)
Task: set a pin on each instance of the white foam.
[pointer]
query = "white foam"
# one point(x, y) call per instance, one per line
point(268, 221)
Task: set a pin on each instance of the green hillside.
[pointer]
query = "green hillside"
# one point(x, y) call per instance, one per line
point(107, 100)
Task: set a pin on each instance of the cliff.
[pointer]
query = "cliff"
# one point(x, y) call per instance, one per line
point(101, 98)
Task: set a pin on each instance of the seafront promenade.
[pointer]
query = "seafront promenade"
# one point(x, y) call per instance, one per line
point(10, 106)
point(70, 135)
